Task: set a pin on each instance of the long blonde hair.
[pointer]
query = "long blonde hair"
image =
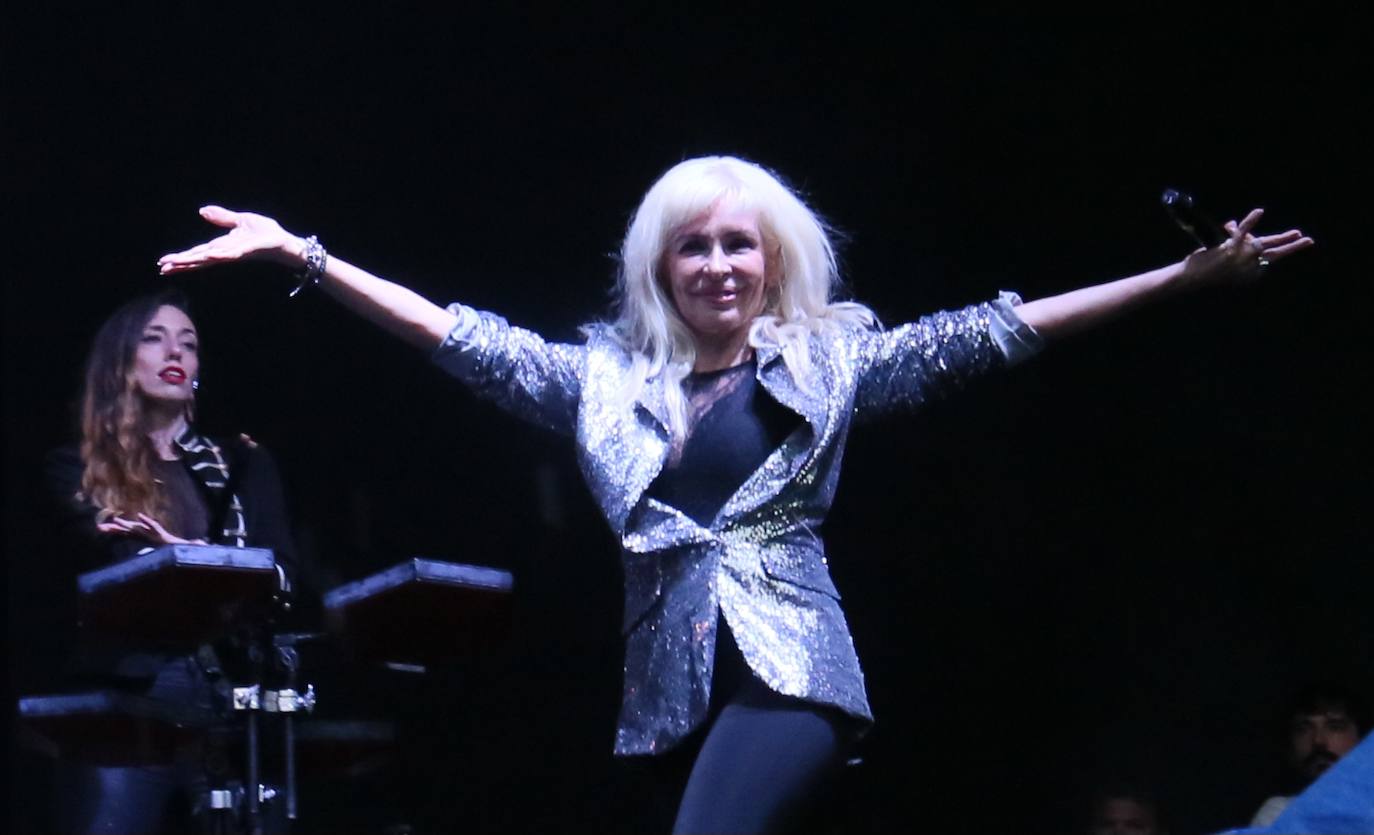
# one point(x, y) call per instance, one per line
point(647, 323)
point(115, 450)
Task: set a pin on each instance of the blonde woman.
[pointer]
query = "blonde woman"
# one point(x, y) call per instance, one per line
point(710, 418)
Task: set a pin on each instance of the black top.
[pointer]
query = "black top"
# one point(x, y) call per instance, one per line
point(77, 547)
point(733, 425)
point(188, 514)
point(256, 482)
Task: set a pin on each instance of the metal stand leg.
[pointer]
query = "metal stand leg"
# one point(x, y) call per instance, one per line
point(287, 702)
point(289, 663)
point(289, 727)
point(249, 699)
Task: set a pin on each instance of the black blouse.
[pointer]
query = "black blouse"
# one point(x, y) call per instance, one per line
point(78, 547)
point(733, 426)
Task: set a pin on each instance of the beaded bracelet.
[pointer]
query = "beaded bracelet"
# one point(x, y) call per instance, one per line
point(314, 265)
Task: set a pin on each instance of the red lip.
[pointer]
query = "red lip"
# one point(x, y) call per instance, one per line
point(172, 374)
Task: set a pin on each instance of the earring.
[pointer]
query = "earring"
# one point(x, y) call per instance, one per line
point(195, 384)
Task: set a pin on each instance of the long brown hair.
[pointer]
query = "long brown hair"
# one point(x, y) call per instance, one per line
point(118, 457)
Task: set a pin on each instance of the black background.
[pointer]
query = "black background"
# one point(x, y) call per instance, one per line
point(1115, 561)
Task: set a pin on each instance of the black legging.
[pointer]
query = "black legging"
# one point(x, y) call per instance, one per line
point(139, 798)
point(119, 800)
point(763, 755)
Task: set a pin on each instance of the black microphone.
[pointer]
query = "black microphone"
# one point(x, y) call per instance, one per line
point(1191, 219)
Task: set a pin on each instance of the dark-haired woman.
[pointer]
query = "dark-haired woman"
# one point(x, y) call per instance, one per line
point(142, 476)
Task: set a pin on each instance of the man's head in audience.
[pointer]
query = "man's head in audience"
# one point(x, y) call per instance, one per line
point(1126, 810)
point(1324, 722)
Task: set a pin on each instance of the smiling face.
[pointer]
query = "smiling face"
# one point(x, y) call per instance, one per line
point(166, 360)
point(716, 269)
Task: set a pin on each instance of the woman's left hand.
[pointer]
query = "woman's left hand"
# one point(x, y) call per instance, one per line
point(1243, 255)
point(147, 528)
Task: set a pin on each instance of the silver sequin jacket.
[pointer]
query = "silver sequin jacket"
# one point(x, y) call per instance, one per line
point(758, 564)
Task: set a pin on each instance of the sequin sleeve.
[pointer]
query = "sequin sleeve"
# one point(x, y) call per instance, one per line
point(903, 368)
point(514, 368)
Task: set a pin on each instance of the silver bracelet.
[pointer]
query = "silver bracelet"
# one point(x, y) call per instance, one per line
point(314, 265)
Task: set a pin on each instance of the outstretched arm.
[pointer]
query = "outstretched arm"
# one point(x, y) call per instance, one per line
point(396, 309)
point(1243, 255)
point(515, 368)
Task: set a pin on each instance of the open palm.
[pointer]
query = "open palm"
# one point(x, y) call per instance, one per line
point(249, 236)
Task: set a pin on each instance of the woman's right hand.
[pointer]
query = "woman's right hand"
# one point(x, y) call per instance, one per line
point(145, 527)
point(403, 312)
point(250, 236)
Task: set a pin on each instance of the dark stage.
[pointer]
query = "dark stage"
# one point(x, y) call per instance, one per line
point(1113, 562)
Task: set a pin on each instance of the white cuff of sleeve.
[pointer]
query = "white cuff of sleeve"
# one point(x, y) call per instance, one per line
point(462, 331)
point(1016, 340)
